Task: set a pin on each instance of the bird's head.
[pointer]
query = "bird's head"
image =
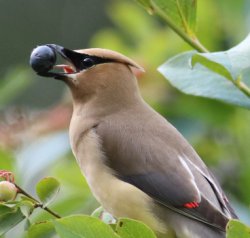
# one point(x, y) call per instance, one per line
point(88, 72)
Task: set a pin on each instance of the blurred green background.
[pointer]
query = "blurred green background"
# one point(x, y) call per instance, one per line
point(35, 111)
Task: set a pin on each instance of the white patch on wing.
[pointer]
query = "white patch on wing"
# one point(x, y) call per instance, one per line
point(192, 180)
point(204, 175)
point(211, 182)
point(196, 167)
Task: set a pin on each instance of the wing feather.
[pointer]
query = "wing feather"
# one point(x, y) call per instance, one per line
point(158, 160)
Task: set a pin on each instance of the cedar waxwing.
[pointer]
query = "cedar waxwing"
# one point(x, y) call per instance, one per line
point(135, 162)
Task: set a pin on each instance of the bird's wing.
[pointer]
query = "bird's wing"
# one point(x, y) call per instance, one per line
point(147, 157)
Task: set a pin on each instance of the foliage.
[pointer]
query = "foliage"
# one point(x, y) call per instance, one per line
point(220, 75)
point(74, 226)
point(10, 216)
point(225, 74)
point(47, 189)
point(237, 229)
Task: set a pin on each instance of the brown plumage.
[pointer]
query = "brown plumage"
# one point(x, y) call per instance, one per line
point(135, 162)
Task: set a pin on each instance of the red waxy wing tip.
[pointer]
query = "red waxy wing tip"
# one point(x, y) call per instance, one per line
point(191, 205)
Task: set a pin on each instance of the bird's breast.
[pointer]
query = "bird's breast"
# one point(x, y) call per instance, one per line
point(119, 198)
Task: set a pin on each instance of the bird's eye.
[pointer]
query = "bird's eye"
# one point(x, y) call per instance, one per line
point(88, 62)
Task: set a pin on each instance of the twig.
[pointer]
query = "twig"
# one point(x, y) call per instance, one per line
point(37, 203)
point(242, 86)
point(192, 41)
point(196, 44)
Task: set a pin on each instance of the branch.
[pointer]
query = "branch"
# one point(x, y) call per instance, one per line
point(37, 203)
point(192, 41)
point(242, 87)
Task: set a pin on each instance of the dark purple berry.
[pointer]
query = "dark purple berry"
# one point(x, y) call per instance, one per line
point(42, 59)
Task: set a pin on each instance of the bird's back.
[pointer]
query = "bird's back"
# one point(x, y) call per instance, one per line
point(149, 153)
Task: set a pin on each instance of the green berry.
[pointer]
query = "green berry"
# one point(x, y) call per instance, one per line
point(8, 191)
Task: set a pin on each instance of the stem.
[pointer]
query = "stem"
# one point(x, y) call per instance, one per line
point(48, 210)
point(243, 87)
point(192, 41)
point(37, 203)
point(196, 44)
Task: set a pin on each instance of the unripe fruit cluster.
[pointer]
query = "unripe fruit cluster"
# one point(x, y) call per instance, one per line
point(8, 191)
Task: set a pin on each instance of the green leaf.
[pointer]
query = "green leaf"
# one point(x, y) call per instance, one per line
point(9, 220)
point(215, 75)
point(27, 224)
point(145, 3)
point(12, 204)
point(236, 229)
point(47, 189)
point(103, 215)
point(212, 65)
point(97, 212)
point(26, 207)
point(128, 228)
point(181, 13)
point(5, 209)
point(80, 226)
point(25, 198)
point(42, 230)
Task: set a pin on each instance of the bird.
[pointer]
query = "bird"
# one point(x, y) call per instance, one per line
point(135, 162)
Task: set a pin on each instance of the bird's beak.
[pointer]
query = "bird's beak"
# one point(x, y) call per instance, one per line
point(63, 71)
point(44, 61)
